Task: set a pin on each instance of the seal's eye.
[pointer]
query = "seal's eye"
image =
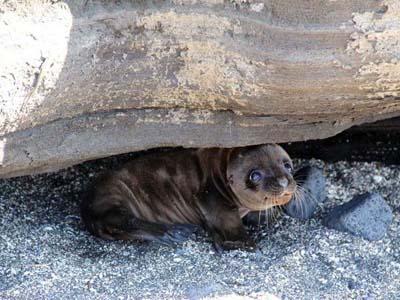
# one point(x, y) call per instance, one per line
point(255, 176)
point(288, 167)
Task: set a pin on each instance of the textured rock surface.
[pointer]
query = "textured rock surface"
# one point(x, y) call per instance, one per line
point(86, 79)
point(311, 193)
point(366, 215)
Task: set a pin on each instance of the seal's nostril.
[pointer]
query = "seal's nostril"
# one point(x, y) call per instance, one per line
point(283, 182)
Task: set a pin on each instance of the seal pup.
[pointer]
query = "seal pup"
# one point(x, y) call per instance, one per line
point(156, 196)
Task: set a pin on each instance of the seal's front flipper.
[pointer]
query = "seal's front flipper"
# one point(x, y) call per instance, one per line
point(224, 223)
point(244, 243)
point(247, 245)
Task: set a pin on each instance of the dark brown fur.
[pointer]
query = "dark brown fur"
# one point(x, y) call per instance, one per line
point(152, 196)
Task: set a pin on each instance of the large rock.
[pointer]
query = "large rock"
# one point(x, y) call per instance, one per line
point(366, 215)
point(86, 79)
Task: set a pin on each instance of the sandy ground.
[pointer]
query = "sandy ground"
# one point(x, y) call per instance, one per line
point(45, 253)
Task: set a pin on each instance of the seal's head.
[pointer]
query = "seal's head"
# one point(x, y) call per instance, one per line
point(261, 176)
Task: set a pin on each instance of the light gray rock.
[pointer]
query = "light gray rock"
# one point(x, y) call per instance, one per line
point(86, 79)
point(367, 215)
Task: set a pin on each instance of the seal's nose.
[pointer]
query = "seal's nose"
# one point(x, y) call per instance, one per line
point(283, 182)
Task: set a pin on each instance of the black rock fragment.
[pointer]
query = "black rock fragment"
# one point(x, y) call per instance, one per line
point(366, 215)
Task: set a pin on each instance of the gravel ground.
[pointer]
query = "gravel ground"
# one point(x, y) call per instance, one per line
point(47, 254)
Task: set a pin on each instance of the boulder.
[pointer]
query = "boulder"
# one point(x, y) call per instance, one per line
point(83, 79)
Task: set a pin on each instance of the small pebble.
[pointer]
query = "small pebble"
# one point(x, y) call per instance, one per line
point(377, 178)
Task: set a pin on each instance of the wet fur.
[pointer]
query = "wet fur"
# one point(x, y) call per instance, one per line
point(157, 196)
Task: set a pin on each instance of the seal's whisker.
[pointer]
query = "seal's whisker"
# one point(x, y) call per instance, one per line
point(300, 200)
point(303, 203)
point(266, 218)
point(309, 194)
